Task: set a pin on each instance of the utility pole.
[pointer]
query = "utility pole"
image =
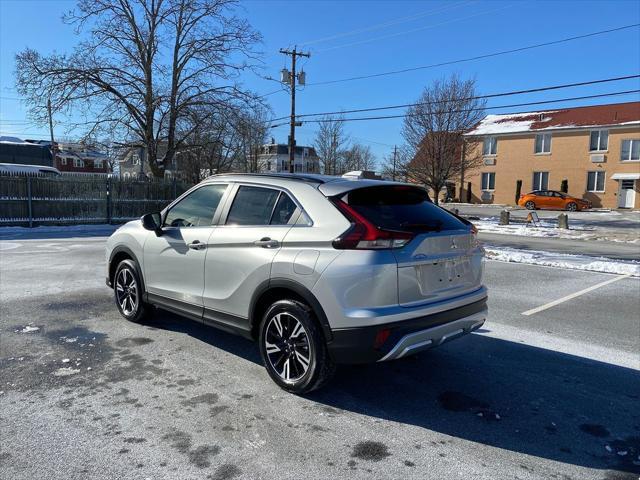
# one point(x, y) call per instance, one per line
point(53, 147)
point(395, 153)
point(291, 79)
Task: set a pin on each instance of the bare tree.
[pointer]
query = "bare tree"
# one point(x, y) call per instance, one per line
point(145, 64)
point(357, 157)
point(330, 141)
point(219, 141)
point(433, 131)
point(395, 165)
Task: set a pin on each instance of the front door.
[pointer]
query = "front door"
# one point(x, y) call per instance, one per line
point(241, 250)
point(626, 194)
point(174, 261)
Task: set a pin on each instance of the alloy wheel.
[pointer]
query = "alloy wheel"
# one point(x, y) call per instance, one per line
point(287, 346)
point(127, 292)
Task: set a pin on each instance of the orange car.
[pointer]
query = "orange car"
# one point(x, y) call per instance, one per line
point(552, 200)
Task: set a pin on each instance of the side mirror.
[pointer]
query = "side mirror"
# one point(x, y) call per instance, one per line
point(152, 222)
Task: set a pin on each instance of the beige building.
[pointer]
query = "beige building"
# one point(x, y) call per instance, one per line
point(594, 151)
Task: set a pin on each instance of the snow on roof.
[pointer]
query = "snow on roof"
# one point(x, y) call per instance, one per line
point(579, 117)
point(6, 139)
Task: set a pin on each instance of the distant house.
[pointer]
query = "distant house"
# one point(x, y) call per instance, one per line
point(81, 158)
point(593, 150)
point(132, 163)
point(274, 157)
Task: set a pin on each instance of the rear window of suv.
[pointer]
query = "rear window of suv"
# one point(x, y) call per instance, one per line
point(401, 207)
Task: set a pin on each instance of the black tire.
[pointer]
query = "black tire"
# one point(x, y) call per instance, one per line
point(572, 207)
point(530, 205)
point(128, 293)
point(309, 344)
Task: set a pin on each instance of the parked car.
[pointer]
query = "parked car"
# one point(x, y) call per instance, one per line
point(318, 270)
point(552, 200)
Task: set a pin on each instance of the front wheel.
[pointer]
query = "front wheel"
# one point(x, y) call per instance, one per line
point(530, 205)
point(572, 206)
point(127, 289)
point(293, 347)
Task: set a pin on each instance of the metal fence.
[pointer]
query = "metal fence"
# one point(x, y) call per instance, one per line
point(74, 199)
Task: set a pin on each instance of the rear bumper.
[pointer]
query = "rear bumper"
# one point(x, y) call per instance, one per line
point(356, 345)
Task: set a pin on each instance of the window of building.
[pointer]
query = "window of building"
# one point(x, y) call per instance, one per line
point(78, 162)
point(540, 181)
point(197, 208)
point(488, 181)
point(63, 161)
point(595, 181)
point(97, 164)
point(135, 159)
point(543, 143)
point(599, 141)
point(630, 151)
point(490, 145)
point(298, 167)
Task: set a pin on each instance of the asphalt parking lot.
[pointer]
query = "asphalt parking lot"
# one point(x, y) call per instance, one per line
point(84, 394)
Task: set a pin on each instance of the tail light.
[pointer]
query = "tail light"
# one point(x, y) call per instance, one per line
point(363, 235)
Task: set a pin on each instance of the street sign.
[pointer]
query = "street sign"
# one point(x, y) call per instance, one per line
point(532, 218)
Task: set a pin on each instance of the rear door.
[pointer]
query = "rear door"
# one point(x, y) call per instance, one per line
point(442, 261)
point(241, 249)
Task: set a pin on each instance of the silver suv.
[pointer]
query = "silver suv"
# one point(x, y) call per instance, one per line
point(319, 270)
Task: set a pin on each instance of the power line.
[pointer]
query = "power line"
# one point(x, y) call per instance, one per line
point(389, 23)
point(425, 27)
point(527, 104)
point(478, 97)
point(478, 57)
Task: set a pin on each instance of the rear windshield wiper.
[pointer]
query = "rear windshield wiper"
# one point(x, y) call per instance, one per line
point(425, 227)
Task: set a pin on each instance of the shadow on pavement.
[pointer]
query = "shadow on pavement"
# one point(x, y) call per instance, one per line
point(494, 392)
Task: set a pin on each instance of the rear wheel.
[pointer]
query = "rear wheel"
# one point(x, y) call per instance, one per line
point(127, 289)
point(293, 348)
point(530, 205)
point(572, 206)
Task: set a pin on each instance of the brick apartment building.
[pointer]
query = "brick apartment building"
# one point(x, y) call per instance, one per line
point(595, 149)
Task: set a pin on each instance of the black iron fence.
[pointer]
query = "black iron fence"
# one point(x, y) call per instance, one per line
point(76, 199)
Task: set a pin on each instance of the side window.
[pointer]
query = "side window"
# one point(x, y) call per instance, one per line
point(197, 208)
point(252, 206)
point(284, 210)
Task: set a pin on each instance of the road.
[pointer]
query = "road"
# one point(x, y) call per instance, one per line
point(614, 219)
point(614, 250)
point(553, 394)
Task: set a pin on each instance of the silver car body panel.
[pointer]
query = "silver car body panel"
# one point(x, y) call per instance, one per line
point(354, 287)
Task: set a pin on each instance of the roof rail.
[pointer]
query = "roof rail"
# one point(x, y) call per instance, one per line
point(311, 178)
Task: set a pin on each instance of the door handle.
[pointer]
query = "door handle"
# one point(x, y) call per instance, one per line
point(197, 245)
point(266, 242)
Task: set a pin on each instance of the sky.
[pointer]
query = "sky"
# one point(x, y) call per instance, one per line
point(352, 38)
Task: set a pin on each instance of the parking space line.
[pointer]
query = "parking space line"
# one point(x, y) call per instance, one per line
point(573, 295)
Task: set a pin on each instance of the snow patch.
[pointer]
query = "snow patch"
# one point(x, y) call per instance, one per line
point(562, 260)
point(28, 329)
point(66, 371)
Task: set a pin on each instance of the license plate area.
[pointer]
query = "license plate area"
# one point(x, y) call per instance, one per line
point(444, 274)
